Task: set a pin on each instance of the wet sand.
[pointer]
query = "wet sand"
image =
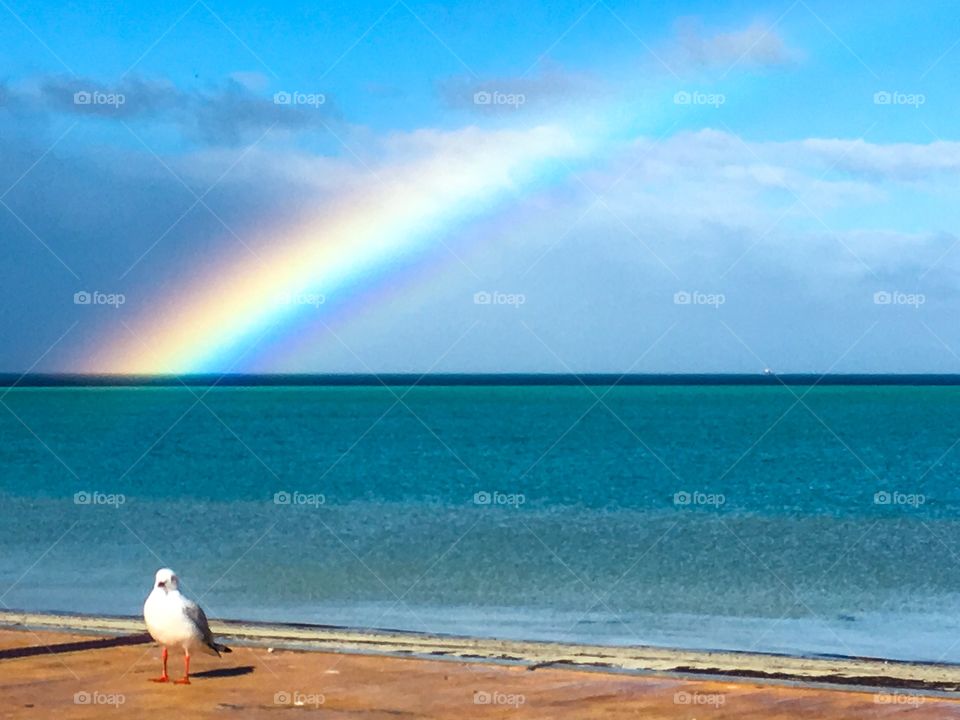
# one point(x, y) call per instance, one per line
point(832, 670)
point(70, 675)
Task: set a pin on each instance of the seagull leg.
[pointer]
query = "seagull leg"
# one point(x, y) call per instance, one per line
point(185, 680)
point(164, 677)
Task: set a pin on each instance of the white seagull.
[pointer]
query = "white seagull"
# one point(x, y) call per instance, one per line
point(174, 620)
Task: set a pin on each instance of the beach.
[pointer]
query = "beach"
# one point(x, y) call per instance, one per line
point(105, 670)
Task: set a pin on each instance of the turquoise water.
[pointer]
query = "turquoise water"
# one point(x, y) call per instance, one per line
point(706, 517)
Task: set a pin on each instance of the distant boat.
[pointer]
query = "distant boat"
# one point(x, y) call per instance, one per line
point(768, 371)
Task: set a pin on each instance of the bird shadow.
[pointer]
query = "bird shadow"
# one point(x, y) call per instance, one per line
point(224, 672)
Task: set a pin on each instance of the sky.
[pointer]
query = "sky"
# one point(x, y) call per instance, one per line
point(403, 186)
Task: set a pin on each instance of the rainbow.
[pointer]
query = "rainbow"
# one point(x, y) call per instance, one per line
point(217, 318)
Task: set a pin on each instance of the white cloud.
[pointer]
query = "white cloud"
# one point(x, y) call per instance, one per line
point(709, 205)
point(898, 161)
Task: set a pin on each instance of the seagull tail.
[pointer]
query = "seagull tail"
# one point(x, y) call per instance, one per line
point(218, 648)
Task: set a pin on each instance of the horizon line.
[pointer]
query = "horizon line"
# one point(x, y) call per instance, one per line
point(40, 380)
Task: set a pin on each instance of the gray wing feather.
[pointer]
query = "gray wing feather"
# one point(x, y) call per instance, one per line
point(197, 617)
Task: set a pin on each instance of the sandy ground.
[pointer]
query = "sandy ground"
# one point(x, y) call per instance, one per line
point(92, 678)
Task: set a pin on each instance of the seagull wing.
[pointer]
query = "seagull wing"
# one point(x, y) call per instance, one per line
point(196, 615)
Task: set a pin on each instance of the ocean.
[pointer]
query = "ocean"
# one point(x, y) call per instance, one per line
point(804, 520)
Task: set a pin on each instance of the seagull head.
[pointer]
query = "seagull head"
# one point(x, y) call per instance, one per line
point(166, 579)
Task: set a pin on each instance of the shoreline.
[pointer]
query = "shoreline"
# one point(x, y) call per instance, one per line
point(87, 676)
point(850, 672)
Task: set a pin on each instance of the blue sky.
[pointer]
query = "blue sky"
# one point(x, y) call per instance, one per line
point(794, 161)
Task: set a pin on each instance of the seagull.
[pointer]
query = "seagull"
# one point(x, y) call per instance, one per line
point(174, 620)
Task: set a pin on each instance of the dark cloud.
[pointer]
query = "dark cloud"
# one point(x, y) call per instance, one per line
point(128, 99)
point(233, 114)
point(228, 113)
point(77, 218)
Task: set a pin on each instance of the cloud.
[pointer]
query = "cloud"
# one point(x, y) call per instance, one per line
point(698, 212)
point(717, 177)
point(550, 87)
point(253, 81)
point(703, 210)
point(897, 161)
point(232, 114)
point(698, 201)
point(553, 86)
point(133, 97)
point(834, 172)
point(124, 223)
point(227, 113)
point(757, 45)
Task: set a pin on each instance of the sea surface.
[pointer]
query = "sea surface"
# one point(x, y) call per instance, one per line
point(806, 520)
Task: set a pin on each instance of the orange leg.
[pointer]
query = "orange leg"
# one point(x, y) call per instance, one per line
point(163, 678)
point(185, 680)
